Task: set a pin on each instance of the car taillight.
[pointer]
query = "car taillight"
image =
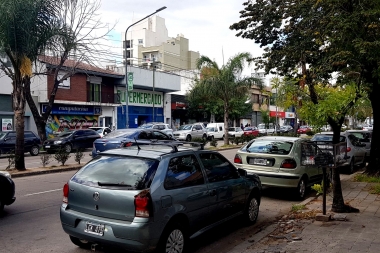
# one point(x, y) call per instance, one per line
point(65, 193)
point(348, 149)
point(128, 144)
point(238, 159)
point(288, 164)
point(142, 205)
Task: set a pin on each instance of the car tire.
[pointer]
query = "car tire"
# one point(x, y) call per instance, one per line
point(188, 138)
point(80, 243)
point(364, 163)
point(67, 148)
point(204, 137)
point(301, 188)
point(351, 167)
point(1, 206)
point(173, 239)
point(251, 211)
point(34, 151)
point(211, 137)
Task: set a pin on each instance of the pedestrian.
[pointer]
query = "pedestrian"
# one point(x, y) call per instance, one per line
point(241, 126)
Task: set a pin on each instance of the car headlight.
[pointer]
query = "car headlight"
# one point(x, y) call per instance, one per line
point(5, 173)
point(182, 134)
point(57, 142)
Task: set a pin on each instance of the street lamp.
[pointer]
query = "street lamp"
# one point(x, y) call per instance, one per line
point(126, 65)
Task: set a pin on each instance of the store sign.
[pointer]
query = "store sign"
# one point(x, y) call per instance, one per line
point(144, 98)
point(73, 109)
point(6, 125)
point(279, 114)
point(290, 115)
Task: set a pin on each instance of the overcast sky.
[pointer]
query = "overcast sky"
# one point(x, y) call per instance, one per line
point(204, 22)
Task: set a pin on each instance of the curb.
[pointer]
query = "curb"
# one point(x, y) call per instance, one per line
point(44, 171)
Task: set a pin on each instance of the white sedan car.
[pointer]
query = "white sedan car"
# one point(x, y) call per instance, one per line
point(235, 132)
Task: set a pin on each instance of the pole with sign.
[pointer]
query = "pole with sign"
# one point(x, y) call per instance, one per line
point(130, 81)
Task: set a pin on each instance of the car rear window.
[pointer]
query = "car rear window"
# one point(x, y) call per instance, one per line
point(269, 147)
point(116, 134)
point(118, 171)
point(326, 137)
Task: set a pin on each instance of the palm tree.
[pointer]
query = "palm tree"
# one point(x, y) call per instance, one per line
point(225, 83)
point(27, 28)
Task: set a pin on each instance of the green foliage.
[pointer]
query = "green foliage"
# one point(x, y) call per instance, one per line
point(78, 155)
point(375, 189)
point(200, 140)
point(214, 143)
point(297, 207)
point(45, 159)
point(310, 133)
point(11, 159)
point(61, 156)
point(318, 188)
point(366, 178)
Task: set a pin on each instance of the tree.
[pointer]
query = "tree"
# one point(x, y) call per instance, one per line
point(27, 28)
point(224, 84)
point(302, 40)
point(80, 36)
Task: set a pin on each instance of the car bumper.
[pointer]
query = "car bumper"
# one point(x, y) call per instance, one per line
point(131, 236)
point(278, 179)
point(180, 138)
point(51, 147)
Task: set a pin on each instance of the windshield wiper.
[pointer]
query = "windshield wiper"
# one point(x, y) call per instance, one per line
point(113, 184)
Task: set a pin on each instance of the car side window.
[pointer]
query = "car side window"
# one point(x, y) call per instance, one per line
point(144, 136)
point(28, 135)
point(11, 136)
point(183, 171)
point(159, 136)
point(79, 133)
point(217, 167)
point(155, 127)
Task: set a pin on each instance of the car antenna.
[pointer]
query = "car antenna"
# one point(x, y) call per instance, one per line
point(137, 144)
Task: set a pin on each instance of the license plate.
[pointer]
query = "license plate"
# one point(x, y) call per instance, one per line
point(259, 161)
point(94, 229)
point(47, 146)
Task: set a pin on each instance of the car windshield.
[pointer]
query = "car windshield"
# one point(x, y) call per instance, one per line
point(269, 147)
point(210, 129)
point(115, 171)
point(65, 134)
point(146, 126)
point(247, 128)
point(326, 137)
point(120, 134)
point(2, 135)
point(261, 126)
point(185, 127)
point(232, 129)
point(98, 130)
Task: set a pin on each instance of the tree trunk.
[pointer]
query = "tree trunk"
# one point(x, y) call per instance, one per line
point(226, 124)
point(373, 167)
point(18, 97)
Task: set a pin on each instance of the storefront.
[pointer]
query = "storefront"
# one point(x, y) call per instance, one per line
point(65, 117)
point(143, 106)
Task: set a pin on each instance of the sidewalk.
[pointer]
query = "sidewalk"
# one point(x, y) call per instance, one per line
point(350, 232)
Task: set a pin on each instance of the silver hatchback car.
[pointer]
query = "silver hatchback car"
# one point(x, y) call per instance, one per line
point(155, 196)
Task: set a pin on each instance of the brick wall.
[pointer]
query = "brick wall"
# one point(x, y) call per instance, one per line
point(77, 91)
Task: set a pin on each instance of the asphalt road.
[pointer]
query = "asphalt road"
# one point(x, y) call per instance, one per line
point(32, 223)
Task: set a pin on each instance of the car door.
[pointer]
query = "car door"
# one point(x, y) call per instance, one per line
point(226, 187)
point(28, 140)
point(79, 140)
point(357, 148)
point(161, 136)
point(186, 190)
point(308, 166)
point(9, 142)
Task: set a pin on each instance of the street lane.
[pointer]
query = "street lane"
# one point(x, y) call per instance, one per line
point(32, 223)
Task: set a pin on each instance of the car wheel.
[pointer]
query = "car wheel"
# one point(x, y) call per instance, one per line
point(233, 136)
point(301, 189)
point(363, 164)
point(188, 138)
point(211, 137)
point(35, 150)
point(351, 167)
point(252, 210)
point(173, 239)
point(204, 137)
point(80, 243)
point(67, 148)
point(1, 206)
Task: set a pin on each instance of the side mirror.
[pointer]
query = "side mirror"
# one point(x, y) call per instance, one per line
point(242, 173)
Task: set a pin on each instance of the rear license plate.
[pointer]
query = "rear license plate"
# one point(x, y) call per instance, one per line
point(95, 229)
point(258, 161)
point(47, 146)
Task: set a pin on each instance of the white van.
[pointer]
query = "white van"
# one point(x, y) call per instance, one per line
point(215, 131)
point(263, 129)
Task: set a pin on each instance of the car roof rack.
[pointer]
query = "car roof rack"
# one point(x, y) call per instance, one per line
point(174, 146)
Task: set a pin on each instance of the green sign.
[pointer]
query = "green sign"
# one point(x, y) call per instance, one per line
point(130, 81)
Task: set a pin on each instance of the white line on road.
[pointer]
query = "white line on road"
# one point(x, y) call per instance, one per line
point(43, 192)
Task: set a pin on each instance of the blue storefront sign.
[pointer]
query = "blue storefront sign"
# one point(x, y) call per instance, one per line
point(74, 109)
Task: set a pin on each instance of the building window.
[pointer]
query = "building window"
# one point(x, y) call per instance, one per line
point(255, 98)
point(128, 43)
point(65, 84)
point(94, 92)
point(140, 41)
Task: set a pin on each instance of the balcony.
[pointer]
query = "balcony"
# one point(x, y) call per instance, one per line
point(101, 97)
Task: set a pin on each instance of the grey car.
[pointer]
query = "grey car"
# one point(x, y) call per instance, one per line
point(155, 197)
point(190, 131)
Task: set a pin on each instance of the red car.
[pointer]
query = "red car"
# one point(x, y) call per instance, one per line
point(251, 131)
point(303, 129)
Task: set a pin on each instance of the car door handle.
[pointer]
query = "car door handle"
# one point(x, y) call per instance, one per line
point(212, 192)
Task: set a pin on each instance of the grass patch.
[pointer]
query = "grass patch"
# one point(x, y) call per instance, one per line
point(375, 189)
point(296, 207)
point(365, 178)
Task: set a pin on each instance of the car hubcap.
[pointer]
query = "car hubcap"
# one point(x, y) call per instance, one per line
point(35, 151)
point(253, 209)
point(175, 242)
point(68, 149)
point(302, 188)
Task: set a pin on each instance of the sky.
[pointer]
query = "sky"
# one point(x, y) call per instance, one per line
point(204, 22)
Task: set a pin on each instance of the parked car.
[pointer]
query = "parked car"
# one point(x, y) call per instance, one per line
point(71, 140)
point(355, 153)
point(368, 127)
point(32, 143)
point(281, 161)
point(364, 137)
point(143, 198)
point(128, 137)
point(251, 131)
point(190, 131)
point(285, 129)
point(158, 126)
point(102, 131)
point(303, 129)
point(266, 128)
point(235, 132)
point(7, 190)
point(215, 131)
